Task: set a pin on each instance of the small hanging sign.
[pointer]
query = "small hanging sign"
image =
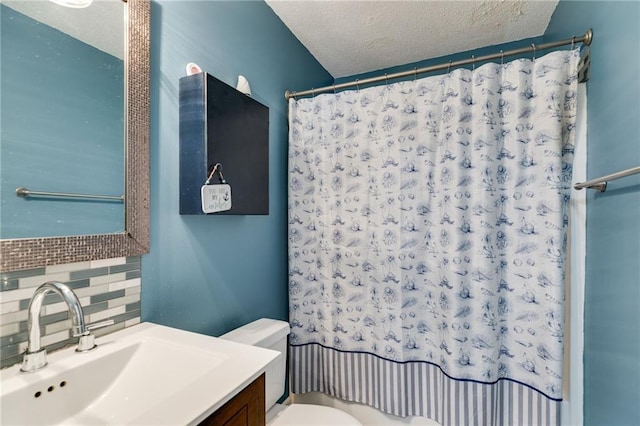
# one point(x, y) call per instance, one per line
point(216, 198)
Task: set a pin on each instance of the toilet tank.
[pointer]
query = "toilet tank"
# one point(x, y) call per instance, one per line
point(270, 334)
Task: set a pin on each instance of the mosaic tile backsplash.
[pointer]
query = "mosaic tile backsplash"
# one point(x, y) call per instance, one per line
point(107, 289)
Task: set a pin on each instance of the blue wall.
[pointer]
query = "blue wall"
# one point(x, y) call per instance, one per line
point(612, 299)
point(62, 130)
point(210, 274)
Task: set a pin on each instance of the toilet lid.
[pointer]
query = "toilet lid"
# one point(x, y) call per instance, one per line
point(316, 415)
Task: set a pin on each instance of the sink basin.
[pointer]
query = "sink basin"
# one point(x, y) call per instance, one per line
point(144, 375)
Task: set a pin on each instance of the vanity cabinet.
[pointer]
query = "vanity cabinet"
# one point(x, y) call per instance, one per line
point(247, 408)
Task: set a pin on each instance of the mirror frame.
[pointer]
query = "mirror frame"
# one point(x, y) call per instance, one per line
point(29, 253)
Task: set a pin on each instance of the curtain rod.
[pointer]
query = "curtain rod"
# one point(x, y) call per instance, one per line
point(586, 39)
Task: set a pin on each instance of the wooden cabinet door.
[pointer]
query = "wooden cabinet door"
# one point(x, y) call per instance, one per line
point(245, 409)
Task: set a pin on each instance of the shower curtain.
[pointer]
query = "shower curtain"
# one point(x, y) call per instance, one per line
point(427, 232)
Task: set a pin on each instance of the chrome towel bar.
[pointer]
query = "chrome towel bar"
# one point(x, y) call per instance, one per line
point(601, 183)
point(24, 193)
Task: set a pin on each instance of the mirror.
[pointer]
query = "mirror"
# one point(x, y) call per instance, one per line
point(28, 253)
point(62, 117)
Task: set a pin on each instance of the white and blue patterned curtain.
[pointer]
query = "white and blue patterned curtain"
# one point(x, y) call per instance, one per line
point(427, 230)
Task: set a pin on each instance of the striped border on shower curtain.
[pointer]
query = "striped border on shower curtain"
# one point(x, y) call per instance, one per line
point(417, 388)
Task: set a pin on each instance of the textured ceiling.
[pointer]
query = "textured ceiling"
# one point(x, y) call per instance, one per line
point(100, 25)
point(352, 37)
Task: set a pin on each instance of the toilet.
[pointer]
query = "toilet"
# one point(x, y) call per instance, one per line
point(272, 334)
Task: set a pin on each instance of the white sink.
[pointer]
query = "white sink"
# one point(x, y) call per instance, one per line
point(145, 375)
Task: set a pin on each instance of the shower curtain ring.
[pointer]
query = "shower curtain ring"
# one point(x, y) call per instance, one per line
point(313, 92)
point(334, 88)
point(357, 85)
point(386, 80)
point(473, 58)
point(502, 57)
point(449, 67)
point(573, 40)
point(533, 46)
point(415, 73)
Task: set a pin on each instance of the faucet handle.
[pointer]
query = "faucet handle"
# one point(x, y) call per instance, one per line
point(101, 324)
point(87, 340)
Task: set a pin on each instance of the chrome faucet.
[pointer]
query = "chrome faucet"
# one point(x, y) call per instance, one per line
point(35, 356)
